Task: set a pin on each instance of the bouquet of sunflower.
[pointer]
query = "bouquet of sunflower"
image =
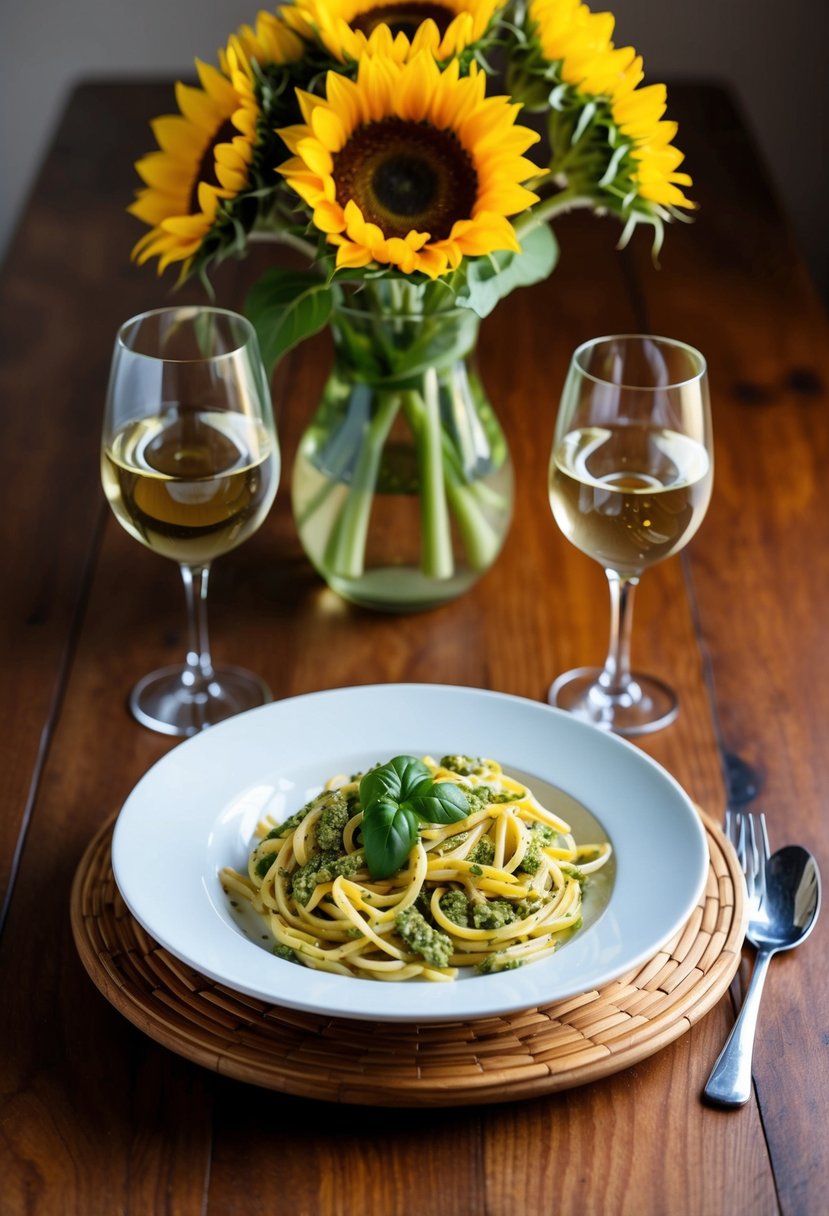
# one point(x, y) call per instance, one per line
point(383, 142)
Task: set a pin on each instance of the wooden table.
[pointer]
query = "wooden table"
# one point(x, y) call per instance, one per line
point(96, 1118)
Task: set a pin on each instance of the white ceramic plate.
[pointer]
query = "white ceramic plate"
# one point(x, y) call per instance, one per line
point(196, 810)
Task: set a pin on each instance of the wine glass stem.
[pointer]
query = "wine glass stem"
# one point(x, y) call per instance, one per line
point(199, 671)
point(615, 677)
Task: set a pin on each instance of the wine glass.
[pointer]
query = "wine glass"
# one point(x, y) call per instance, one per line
point(630, 480)
point(190, 464)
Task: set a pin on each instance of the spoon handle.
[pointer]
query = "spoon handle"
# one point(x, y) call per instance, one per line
point(730, 1081)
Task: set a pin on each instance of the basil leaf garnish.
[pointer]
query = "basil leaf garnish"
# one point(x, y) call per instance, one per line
point(389, 832)
point(438, 802)
point(394, 797)
point(395, 780)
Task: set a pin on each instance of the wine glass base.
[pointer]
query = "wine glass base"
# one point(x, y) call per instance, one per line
point(164, 702)
point(645, 705)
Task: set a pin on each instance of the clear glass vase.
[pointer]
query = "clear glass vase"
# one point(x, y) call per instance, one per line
point(402, 487)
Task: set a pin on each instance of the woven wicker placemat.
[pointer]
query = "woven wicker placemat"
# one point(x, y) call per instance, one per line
point(495, 1059)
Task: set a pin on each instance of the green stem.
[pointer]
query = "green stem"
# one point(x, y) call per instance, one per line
point(479, 539)
point(345, 551)
point(316, 501)
point(565, 200)
point(436, 557)
point(265, 236)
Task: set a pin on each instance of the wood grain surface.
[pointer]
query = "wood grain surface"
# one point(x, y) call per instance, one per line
point(98, 1119)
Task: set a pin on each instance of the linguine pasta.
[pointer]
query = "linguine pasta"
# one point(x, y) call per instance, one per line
point(497, 889)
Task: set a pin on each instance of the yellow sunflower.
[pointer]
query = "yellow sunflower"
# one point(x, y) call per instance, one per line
point(581, 40)
point(203, 159)
point(638, 114)
point(351, 28)
point(269, 41)
point(569, 33)
point(410, 166)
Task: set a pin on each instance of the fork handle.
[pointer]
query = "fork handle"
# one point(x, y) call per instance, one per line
point(730, 1081)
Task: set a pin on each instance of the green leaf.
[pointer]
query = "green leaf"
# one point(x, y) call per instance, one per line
point(585, 118)
point(395, 780)
point(389, 832)
point(438, 802)
point(286, 307)
point(489, 279)
point(394, 796)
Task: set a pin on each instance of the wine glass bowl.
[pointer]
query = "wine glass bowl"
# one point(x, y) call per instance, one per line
point(190, 465)
point(630, 479)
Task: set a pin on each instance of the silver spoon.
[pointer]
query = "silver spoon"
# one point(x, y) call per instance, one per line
point(783, 919)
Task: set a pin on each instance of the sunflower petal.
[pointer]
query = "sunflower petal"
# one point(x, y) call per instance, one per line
point(328, 216)
point(316, 157)
point(152, 206)
point(200, 110)
point(328, 128)
point(215, 84)
point(192, 226)
point(352, 256)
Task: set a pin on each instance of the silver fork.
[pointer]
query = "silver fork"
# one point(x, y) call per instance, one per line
point(750, 838)
point(730, 1079)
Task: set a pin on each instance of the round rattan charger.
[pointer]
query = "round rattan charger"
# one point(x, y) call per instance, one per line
point(495, 1059)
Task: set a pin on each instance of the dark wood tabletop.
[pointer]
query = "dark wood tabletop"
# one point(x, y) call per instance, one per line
point(99, 1119)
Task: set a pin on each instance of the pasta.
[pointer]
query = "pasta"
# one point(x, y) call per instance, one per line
point(497, 889)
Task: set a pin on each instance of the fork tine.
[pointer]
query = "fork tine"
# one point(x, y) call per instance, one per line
point(749, 837)
point(754, 868)
point(733, 825)
point(765, 837)
point(737, 836)
point(751, 857)
point(764, 852)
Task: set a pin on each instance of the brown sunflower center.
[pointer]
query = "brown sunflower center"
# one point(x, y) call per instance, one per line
point(206, 171)
point(404, 175)
point(403, 18)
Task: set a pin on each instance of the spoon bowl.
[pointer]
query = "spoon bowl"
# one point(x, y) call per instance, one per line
point(789, 903)
point(783, 916)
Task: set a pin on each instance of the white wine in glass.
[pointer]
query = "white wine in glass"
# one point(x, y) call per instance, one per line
point(630, 480)
point(190, 466)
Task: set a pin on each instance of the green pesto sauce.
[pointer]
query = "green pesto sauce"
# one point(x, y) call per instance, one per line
point(323, 867)
point(264, 863)
point(464, 766)
point(494, 963)
point(335, 815)
point(483, 852)
point(432, 945)
point(451, 842)
point(455, 905)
